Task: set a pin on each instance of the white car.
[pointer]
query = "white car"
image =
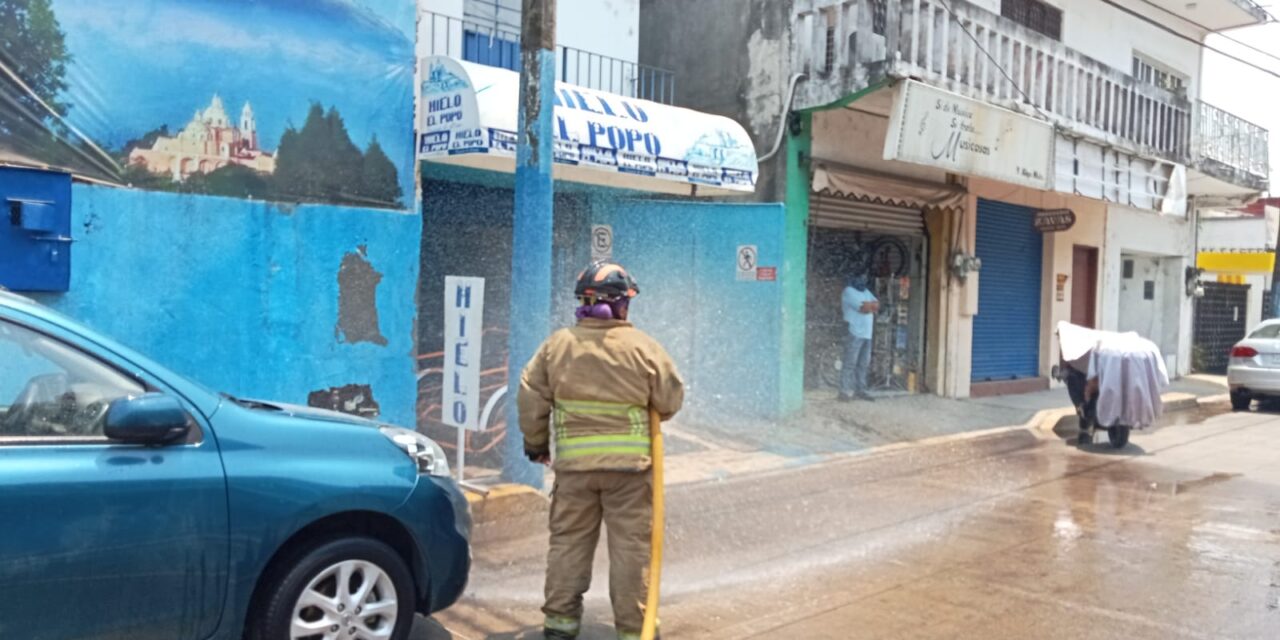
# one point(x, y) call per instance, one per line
point(1254, 370)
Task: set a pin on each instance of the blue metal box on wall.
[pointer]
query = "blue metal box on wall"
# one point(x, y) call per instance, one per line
point(35, 235)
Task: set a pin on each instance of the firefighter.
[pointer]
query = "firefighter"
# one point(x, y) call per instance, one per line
point(588, 390)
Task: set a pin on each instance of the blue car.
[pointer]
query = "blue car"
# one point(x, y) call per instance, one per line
point(136, 504)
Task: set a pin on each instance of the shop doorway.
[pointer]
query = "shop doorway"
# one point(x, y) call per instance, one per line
point(1006, 331)
point(1219, 324)
point(895, 264)
point(1084, 286)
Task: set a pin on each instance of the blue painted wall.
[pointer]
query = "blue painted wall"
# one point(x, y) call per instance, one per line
point(243, 295)
point(725, 335)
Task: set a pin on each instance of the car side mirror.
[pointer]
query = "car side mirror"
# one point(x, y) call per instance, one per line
point(152, 419)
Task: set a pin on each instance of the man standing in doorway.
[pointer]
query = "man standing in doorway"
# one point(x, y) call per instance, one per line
point(859, 307)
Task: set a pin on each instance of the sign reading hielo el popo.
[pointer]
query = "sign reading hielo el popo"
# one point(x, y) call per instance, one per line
point(941, 129)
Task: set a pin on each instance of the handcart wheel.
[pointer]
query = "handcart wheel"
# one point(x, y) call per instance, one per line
point(1119, 436)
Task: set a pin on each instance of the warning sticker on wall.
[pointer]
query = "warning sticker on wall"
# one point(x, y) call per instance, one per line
point(747, 262)
point(767, 274)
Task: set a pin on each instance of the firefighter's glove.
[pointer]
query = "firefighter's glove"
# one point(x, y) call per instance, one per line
point(539, 455)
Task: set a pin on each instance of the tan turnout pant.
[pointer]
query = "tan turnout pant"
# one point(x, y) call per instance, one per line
point(580, 501)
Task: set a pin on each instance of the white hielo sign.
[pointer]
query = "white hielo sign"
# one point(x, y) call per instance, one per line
point(937, 128)
point(463, 327)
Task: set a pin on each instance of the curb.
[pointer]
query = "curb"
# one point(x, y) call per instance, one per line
point(505, 511)
point(1049, 419)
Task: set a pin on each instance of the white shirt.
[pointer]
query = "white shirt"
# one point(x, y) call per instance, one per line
point(860, 324)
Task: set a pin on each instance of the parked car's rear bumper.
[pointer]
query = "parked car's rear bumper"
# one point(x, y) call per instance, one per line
point(1254, 380)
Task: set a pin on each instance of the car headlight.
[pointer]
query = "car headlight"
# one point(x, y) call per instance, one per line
point(421, 449)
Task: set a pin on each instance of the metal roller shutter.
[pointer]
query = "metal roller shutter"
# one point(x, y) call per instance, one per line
point(843, 213)
point(1006, 331)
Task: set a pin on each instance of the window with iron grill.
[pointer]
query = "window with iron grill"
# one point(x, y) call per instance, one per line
point(1034, 15)
point(1151, 73)
point(879, 16)
point(829, 62)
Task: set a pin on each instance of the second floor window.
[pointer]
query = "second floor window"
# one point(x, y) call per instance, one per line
point(1035, 15)
point(1150, 72)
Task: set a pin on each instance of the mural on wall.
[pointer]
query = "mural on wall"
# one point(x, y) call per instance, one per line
point(288, 100)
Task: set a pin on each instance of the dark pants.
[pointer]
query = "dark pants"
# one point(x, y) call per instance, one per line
point(853, 373)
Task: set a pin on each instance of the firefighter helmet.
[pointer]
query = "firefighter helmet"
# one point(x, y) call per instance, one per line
point(605, 280)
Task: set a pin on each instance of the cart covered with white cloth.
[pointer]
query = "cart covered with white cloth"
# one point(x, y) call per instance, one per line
point(1115, 380)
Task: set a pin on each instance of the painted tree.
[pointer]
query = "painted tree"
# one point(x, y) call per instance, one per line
point(343, 160)
point(319, 161)
point(33, 46)
point(378, 179)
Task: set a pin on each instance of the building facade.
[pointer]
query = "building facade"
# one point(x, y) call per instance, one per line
point(997, 166)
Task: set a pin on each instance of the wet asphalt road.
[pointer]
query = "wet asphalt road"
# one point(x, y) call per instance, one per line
point(1015, 536)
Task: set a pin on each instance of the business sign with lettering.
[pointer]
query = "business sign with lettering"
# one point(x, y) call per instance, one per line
point(941, 129)
point(463, 326)
point(472, 109)
point(1050, 220)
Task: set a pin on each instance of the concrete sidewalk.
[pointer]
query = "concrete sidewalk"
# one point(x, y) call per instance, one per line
point(826, 428)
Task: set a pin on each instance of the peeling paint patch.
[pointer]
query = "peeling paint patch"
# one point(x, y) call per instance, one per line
point(355, 399)
point(358, 300)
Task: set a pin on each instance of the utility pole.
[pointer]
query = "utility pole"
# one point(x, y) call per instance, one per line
point(531, 229)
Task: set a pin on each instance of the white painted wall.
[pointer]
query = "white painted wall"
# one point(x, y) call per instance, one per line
point(1136, 312)
point(1135, 233)
point(1242, 233)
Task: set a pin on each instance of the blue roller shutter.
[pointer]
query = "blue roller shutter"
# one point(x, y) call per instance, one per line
point(1006, 331)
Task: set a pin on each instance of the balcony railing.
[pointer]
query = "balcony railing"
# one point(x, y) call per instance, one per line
point(852, 44)
point(1232, 143)
point(499, 46)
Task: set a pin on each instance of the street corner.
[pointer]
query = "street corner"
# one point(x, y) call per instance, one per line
point(1180, 401)
point(505, 510)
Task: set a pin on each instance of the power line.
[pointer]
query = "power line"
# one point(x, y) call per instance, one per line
point(1218, 33)
point(1170, 30)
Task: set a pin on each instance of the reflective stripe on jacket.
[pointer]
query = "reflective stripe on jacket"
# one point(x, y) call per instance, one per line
point(591, 387)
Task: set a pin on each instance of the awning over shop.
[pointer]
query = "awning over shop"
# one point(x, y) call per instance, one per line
point(1237, 262)
point(845, 182)
point(469, 114)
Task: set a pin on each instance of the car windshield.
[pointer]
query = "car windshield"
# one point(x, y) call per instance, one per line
point(1266, 332)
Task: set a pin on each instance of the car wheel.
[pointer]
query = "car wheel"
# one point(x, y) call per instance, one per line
point(1240, 401)
point(351, 588)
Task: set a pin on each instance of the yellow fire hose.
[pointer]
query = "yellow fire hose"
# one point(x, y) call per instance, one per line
point(655, 541)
